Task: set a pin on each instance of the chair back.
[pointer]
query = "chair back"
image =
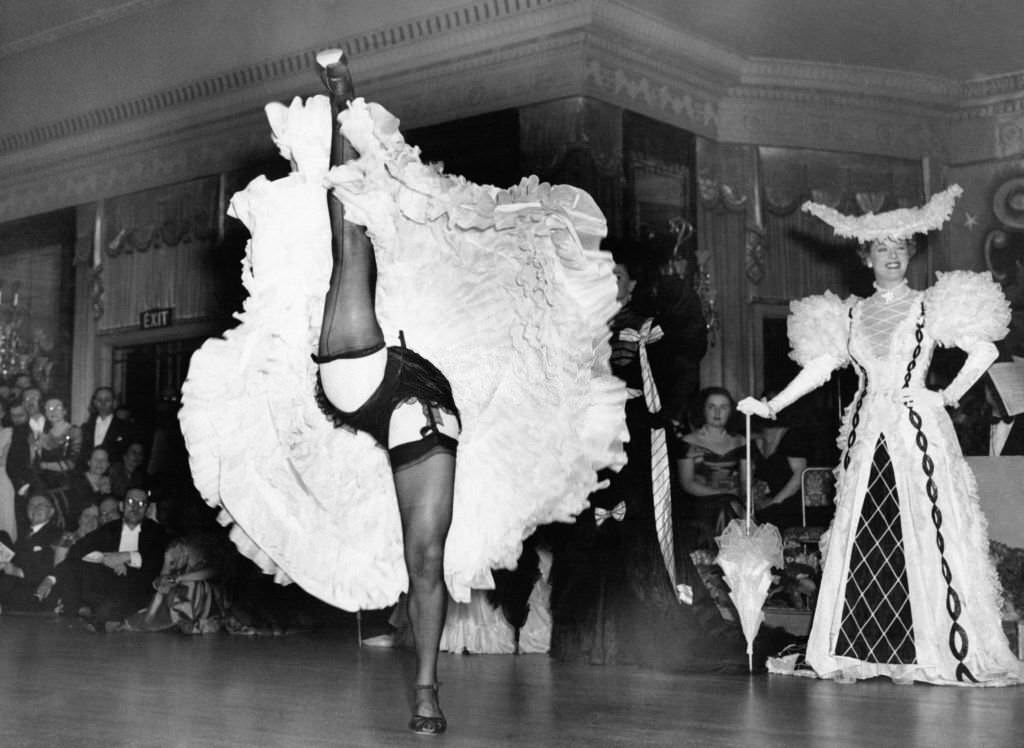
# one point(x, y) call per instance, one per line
point(818, 488)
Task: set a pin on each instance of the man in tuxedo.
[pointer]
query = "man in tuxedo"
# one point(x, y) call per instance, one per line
point(108, 574)
point(1006, 433)
point(104, 428)
point(33, 556)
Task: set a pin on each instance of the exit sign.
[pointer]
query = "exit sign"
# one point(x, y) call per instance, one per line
point(151, 319)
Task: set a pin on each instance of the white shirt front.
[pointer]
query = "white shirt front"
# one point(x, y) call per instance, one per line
point(102, 426)
point(997, 436)
point(130, 543)
point(37, 424)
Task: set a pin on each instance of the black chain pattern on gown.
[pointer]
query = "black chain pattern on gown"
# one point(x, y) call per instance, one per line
point(855, 420)
point(958, 640)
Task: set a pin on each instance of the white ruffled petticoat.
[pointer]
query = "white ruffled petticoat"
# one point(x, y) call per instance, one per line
point(505, 291)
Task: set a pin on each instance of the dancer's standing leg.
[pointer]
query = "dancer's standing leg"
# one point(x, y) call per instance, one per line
point(425, 491)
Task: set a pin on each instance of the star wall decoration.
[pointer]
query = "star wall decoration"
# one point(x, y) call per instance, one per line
point(970, 221)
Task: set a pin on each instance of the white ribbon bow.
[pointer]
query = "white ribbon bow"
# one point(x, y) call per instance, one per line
point(660, 470)
point(617, 513)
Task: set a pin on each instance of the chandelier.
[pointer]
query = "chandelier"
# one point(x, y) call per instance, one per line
point(15, 348)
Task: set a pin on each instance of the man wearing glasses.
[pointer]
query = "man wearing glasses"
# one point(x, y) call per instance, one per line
point(108, 574)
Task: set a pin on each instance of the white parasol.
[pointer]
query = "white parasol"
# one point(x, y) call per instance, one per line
point(746, 554)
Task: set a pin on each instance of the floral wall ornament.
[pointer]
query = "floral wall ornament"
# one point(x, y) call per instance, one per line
point(714, 193)
point(96, 291)
point(756, 254)
point(14, 343)
point(707, 293)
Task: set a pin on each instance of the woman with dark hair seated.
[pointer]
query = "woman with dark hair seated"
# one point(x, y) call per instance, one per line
point(87, 488)
point(782, 453)
point(712, 461)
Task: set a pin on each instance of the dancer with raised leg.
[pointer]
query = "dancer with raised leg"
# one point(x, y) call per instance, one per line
point(337, 470)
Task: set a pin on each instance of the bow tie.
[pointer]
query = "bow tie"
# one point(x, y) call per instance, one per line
point(617, 513)
point(995, 419)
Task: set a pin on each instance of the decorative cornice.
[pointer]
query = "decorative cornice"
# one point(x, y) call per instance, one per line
point(829, 122)
point(493, 54)
point(896, 85)
point(1009, 84)
point(651, 95)
point(435, 28)
point(655, 40)
point(77, 26)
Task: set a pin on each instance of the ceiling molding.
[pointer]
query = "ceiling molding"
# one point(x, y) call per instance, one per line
point(876, 82)
point(76, 26)
point(493, 54)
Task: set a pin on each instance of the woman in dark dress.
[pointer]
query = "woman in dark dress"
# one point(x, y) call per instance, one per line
point(710, 464)
point(613, 597)
point(781, 457)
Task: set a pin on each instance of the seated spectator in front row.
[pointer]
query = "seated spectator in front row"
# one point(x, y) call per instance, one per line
point(108, 574)
point(33, 556)
point(89, 487)
point(110, 510)
point(88, 520)
point(129, 471)
point(189, 595)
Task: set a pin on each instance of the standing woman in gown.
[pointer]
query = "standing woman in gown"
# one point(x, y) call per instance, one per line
point(908, 590)
point(8, 516)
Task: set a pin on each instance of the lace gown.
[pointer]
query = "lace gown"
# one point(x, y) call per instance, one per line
point(504, 290)
point(908, 589)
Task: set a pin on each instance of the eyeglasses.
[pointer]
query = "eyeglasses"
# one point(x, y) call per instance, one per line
point(137, 502)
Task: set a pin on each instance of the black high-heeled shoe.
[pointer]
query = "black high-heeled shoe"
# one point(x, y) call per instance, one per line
point(422, 725)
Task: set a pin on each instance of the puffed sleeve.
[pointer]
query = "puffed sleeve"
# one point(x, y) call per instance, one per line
point(963, 308)
point(820, 326)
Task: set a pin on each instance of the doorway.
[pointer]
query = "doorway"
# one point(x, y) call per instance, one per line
point(144, 375)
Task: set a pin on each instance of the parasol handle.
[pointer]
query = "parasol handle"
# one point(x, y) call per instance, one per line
point(747, 419)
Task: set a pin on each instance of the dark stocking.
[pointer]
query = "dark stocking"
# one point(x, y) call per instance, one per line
point(350, 327)
point(425, 492)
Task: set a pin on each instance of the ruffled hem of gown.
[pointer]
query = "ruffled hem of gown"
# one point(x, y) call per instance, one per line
point(495, 287)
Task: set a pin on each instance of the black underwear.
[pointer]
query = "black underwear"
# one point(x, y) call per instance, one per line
point(408, 377)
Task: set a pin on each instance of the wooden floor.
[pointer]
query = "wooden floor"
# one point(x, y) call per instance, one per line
point(63, 686)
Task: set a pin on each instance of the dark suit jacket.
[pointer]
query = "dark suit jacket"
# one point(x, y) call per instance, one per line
point(1015, 439)
point(19, 457)
point(152, 543)
point(33, 553)
point(115, 441)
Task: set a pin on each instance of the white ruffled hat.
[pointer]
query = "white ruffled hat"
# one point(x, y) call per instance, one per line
point(901, 223)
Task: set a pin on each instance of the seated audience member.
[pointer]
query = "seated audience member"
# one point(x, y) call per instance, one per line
point(781, 457)
point(88, 520)
point(57, 450)
point(33, 556)
point(108, 574)
point(103, 428)
point(189, 596)
point(110, 510)
point(88, 488)
point(711, 465)
point(129, 471)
